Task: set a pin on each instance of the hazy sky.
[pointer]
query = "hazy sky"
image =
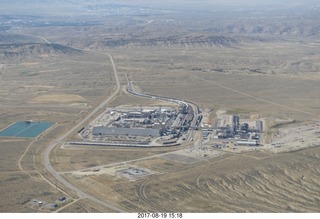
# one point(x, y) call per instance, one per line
point(80, 6)
point(259, 2)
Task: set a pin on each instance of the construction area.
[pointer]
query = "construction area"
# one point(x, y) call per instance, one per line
point(230, 129)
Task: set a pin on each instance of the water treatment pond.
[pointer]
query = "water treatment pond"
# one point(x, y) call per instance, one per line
point(25, 129)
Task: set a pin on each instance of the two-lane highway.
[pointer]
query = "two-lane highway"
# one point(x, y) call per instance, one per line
point(50, 147)
point(56, 175)
point(48, 150)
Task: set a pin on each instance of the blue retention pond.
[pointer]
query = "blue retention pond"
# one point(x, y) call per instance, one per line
point(26, 129)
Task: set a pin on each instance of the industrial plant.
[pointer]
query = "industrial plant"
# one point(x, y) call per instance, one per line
point(157, 126)
point(166, 126)
point(246, 133)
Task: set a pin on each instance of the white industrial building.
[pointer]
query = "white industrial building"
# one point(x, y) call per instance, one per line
point(103, 131)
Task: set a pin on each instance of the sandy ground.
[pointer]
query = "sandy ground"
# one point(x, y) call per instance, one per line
point(59, 98)
point(295, 137)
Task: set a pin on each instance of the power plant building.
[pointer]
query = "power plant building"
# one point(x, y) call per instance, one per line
point(248, 143)
point(103, 131)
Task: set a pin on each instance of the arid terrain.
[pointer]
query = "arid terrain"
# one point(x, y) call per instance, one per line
point(66, 65)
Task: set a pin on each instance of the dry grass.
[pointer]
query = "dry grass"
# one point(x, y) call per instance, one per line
point(253, 182)
point(251, 79)
point(77, 158)
point(85, 206)
point(258, 183)
point(58, 98)
point(225, 77)
point(57, 86)
point(228, 183)
point(245, 182)
point(17, 188)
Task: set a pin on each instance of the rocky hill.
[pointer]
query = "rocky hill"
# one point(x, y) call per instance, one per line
point(27, 51)
point(201, 40)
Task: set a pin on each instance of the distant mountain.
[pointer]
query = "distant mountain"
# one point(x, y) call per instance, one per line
point(12, 38)
point(160, 41)
point(302, 29)
point(29, 51)
point(198, 40)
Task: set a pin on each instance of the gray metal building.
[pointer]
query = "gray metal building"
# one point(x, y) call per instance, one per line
point(248, 143)
point(125, 131)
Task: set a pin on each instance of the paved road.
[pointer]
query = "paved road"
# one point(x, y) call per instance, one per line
point(47, 163)
point(57, 175)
